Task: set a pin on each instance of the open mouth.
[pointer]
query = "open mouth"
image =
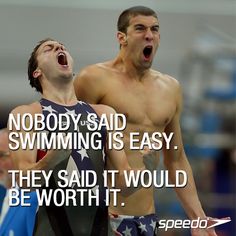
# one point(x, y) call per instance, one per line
point(147, 51)
point(62, 60)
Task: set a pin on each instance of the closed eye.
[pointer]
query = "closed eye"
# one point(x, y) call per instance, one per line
point(155, 28)
point(140, 27)
point(48, 48)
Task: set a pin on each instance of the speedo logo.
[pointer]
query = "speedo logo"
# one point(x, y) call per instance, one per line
point(188, 224)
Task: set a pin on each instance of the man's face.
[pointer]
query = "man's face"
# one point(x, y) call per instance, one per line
point(143, 39)
point(54, 61)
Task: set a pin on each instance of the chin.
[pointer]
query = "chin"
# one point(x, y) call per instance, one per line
point(68, 75)
point(147, 65)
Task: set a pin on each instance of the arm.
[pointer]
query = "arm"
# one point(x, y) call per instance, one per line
point(117, 160)
point(25, 159)
point(177, 160)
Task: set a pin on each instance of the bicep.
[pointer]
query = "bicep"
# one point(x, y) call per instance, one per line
point(175, 152)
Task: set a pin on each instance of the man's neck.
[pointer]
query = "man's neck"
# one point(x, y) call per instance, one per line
point(127, 66)
point(63, 95)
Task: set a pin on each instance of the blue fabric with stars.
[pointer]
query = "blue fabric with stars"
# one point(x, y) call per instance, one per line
point(83, 220)
point(123, 225)
point(81, 156)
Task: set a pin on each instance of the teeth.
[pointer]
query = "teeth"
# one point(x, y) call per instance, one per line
point(61, 53)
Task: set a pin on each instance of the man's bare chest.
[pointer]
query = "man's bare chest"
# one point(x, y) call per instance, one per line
point(144, 107)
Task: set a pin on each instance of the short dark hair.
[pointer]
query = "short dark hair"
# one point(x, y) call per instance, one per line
point(123, 20)
point(33, 64)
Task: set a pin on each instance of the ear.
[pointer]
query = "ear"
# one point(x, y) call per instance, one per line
point(37, 73)
point(122, 38)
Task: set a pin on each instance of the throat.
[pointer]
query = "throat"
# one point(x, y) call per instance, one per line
point(63, 95)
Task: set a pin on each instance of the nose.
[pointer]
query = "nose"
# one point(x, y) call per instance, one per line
point(148, 35)
point(59, 47)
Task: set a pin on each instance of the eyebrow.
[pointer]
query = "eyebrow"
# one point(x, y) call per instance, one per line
point(51, 45)
point(138, 25)
point(155, 25)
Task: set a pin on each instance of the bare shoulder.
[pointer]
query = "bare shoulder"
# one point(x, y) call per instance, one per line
point(18, 112)
point(32, 108)
point(90, 70)
point(95, 71)
point(167, 80)
point(91, 82)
